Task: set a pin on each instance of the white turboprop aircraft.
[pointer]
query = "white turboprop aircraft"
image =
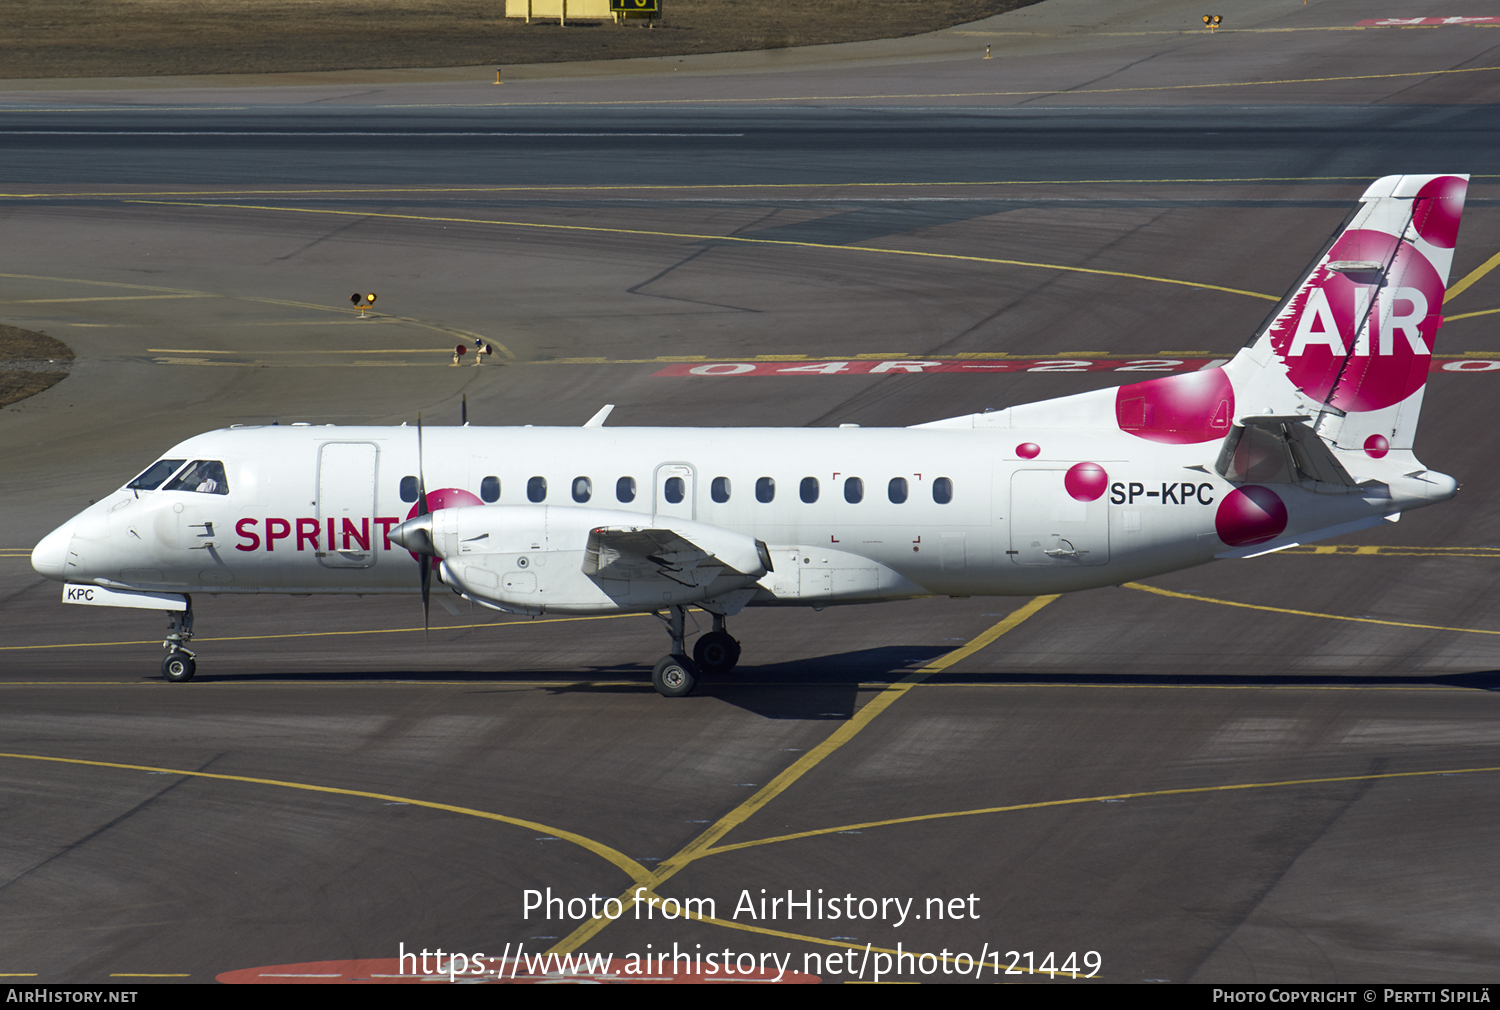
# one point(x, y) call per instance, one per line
point(1307, 433)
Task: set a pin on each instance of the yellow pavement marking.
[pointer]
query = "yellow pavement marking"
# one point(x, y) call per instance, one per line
point(99, 298)
point(728, 924)
point(596, 229)
point(141, 974)
point(1092, 799)
point(323, 634)
point(467, 335)
point(1469, 315)
point(846, 731)
point(1398, 552)
point(1009, 94)
point(1200, 31)
point(1301, 613)
point(1469, 278)
point(632, 869)
point(685, 187)
point(372, 350)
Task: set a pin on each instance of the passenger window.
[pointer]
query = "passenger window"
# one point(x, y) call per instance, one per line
point(675, 490)
point(155, 474)
point(489, 489)
point(408, 489)
point(583, 489)
point(625, 489)
point(719, 490)
point(536, 489)
point(765, 490)
point(854, 490)
point(896, 490)
point(205, 475)
point(942, 490)
point(809, 489)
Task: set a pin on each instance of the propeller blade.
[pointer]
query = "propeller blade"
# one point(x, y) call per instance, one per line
point(422, 508)
point(423, 558)
point(426, 593)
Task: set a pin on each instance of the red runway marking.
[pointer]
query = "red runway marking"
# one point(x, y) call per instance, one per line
point(1403, 22)
point(718, 369)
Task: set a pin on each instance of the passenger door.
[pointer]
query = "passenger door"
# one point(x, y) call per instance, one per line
point(346, 499)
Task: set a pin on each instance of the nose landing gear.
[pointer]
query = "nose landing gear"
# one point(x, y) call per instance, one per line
point(180, 663)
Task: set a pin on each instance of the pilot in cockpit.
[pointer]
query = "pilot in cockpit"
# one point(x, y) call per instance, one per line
point(203, 475)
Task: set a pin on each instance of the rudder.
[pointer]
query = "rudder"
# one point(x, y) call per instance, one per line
point(1351, 345)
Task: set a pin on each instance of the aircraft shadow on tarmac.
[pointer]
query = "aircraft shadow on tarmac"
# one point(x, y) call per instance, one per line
point(826, 687)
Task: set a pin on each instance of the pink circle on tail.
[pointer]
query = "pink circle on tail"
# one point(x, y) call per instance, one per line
point(1377, 446)
point(1028, 450)
point(1250, 515)
point(1318, 329)
point(1439, 208)
point(1177, 409)
point(1086, 481)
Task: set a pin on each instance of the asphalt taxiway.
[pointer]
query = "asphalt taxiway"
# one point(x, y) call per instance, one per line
point(1271, 770)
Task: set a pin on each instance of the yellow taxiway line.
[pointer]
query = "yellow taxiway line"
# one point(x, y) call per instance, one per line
point(887, 697)
point(1302, 613)
point(740, 239)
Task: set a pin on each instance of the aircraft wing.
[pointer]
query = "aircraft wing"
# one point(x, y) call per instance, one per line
point(644, 553)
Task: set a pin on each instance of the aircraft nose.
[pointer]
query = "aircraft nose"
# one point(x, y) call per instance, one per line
point(50, 558)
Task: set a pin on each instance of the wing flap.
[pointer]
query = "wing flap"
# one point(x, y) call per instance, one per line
point(647, 553)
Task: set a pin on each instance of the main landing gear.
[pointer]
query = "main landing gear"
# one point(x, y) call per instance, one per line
point(180, 663)
point(714, 653)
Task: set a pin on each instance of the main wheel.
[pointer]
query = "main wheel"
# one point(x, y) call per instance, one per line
point(716, 653)
point(178, 667)
point(674, 676)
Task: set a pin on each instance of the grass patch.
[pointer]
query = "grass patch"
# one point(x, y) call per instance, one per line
point(28, 363)
point(140, 38)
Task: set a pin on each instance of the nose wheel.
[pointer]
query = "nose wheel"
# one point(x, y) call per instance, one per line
point(178, 667)
point(180, 663)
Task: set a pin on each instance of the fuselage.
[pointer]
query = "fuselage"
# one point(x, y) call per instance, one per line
point(986, 508)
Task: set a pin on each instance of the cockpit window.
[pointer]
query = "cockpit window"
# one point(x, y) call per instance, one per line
point(206, 475)
point(155, 474)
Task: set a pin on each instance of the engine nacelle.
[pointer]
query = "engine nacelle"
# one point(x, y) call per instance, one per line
point(537, 559)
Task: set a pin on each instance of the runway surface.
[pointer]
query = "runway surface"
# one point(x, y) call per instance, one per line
point(1277, 770)
point(636, 149)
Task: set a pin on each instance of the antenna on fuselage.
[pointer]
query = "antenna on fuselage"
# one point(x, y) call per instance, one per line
point(463, 410)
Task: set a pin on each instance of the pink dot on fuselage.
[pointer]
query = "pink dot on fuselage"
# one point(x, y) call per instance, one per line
point(1028, 450)
point(446, 498)
point(1086, 481)
point(1377, 446)
point(1250, 515)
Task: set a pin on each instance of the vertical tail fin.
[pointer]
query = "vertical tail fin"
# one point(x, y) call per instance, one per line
point(1352, 344)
